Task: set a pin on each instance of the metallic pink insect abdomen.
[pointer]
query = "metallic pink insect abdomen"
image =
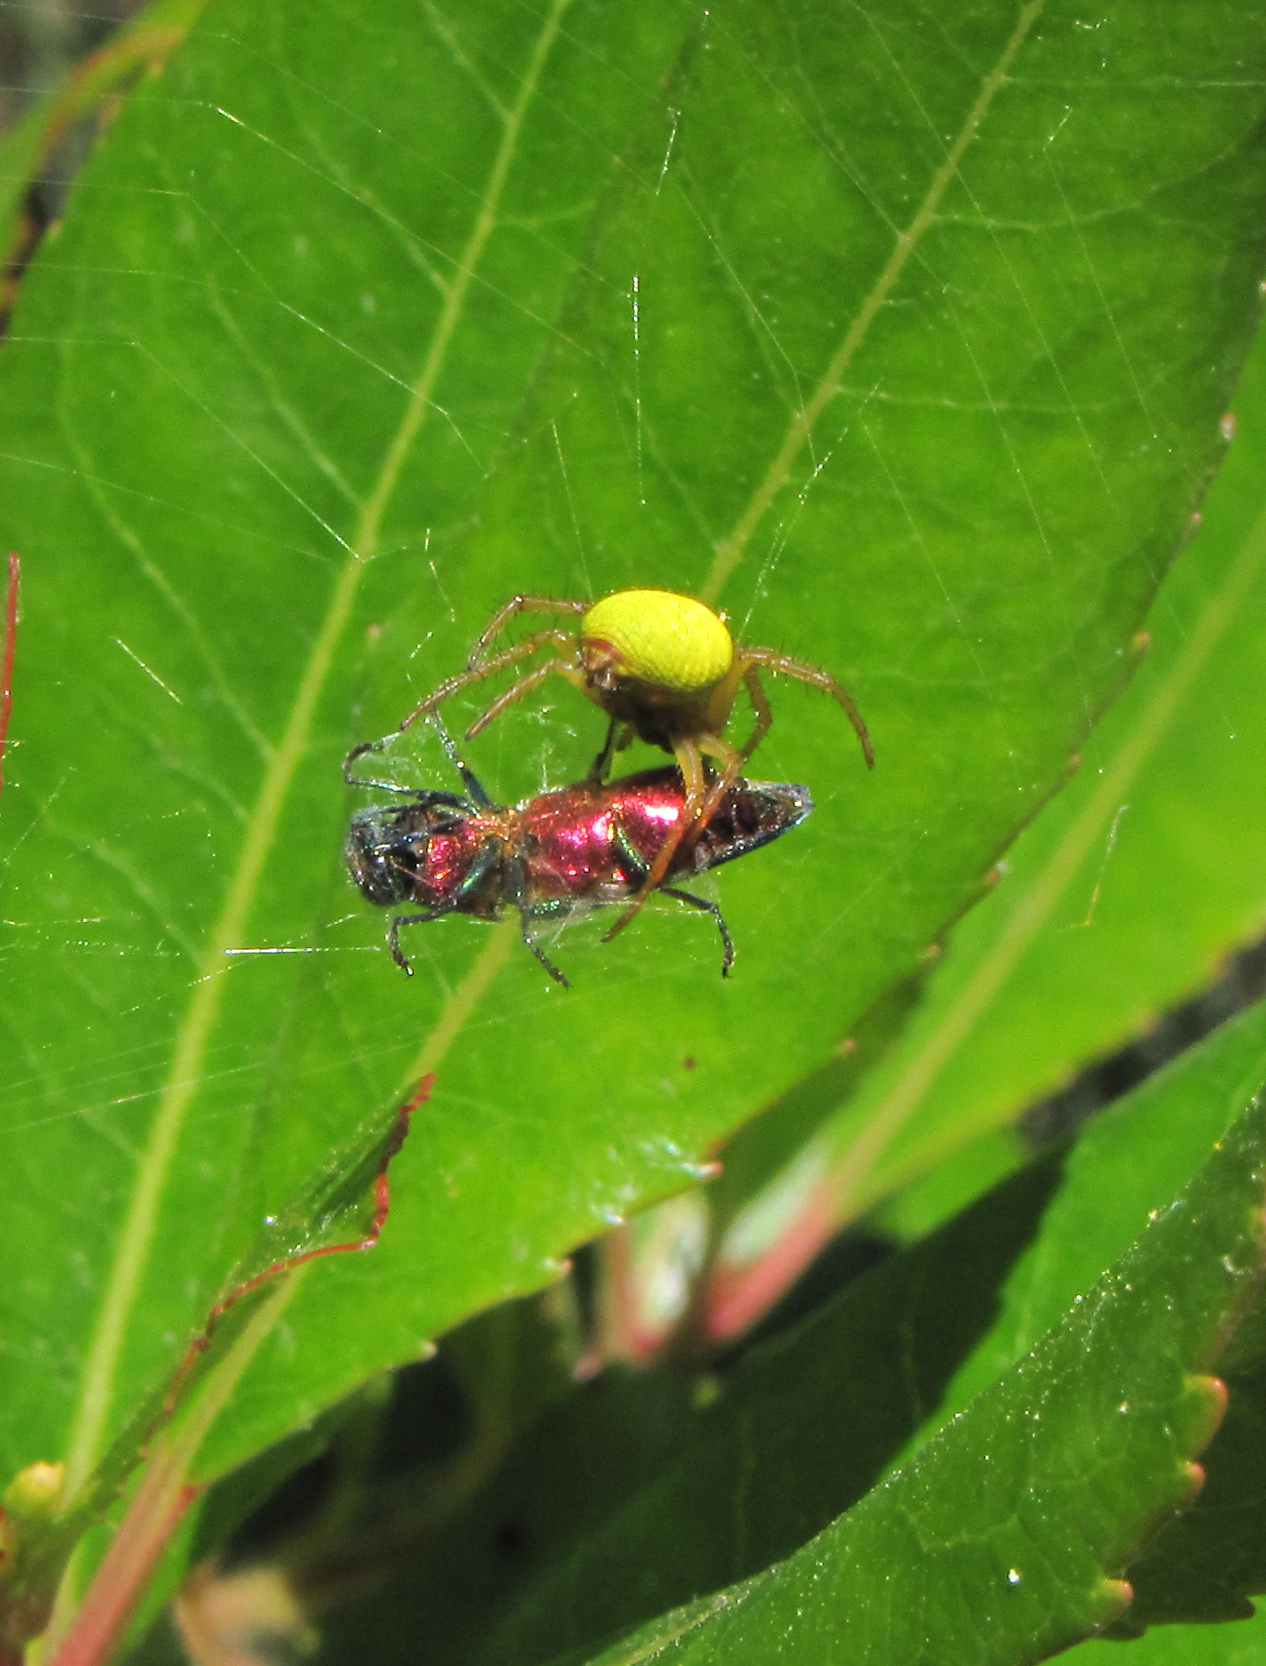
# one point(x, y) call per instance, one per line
point(570, 838)
point(649, 809)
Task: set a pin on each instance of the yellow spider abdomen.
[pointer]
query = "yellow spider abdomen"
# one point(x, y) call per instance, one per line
point(659, 638)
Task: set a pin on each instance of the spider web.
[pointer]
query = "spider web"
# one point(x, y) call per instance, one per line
point(363, 321)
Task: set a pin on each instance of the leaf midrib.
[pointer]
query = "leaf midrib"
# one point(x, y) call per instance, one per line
point(730, 550)
point(123, 1283)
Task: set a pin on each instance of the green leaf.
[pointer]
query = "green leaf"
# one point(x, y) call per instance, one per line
point(1003, 1539)
point(338, 348)
point(619, 1508)
point(1239, 1645)
point(1070, 956)
point(636, 1493)
point(343, 1213)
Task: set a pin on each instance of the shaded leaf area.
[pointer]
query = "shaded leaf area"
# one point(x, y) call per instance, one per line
point(1127, 1165)
point(1004, 1538)
point(378, 1478)
point(31, 144)
point(338, 348)
point(619, 1506)
point(635, 1494)
point(1204, 1565)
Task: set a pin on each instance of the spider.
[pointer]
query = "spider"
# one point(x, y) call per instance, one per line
point(553, 856)
point(665, 668)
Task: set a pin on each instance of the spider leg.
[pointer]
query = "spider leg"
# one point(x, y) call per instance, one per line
point(731, 762)
point(760, 706)
point(689, 758)
point(784, 666)
point(727, 942)
point(470, 780)
point(529, 681)
point(560, 641)
point(516, 605)
point(632, 860)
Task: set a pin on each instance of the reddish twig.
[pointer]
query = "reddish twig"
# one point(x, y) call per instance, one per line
point(165, 1492)
point(155, 1513)
point(737, 1297)
point(290, 1263)
point(628, 1336)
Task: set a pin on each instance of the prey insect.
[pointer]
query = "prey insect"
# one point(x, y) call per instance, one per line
point(550, 857)
point(664, 667)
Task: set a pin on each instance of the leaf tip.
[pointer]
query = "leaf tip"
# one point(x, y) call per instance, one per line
point(1109, 1600)
point(1204, 1406)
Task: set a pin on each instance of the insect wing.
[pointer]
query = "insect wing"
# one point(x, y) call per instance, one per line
point(752, 814)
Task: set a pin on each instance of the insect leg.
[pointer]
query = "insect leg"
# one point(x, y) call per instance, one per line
point(727, 942)
point(464, 806)
point(539, 913)
point(393, 934)
point(392, 787)
point(364, 781)
point(632, 860)
point(516, 891)
point(630, 857)
point(478, 870)
point(470, 780)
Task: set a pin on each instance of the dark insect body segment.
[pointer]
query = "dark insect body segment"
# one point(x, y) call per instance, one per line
point(557, 854)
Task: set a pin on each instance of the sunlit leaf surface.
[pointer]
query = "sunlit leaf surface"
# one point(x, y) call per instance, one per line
point(1130, 890)
point(903, 337)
